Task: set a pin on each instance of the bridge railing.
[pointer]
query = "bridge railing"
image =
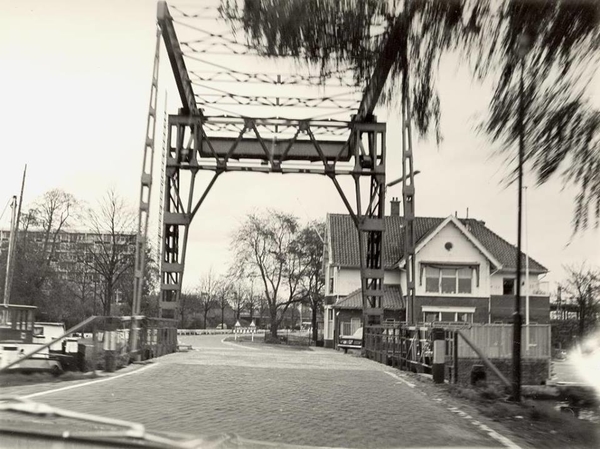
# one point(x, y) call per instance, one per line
point(105, 340)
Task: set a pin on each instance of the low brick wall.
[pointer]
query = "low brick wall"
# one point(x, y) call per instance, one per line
point(534, 371)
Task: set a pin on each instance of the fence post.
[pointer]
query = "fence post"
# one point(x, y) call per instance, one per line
point(455, 357)
point(94, 346)
point(439, 355)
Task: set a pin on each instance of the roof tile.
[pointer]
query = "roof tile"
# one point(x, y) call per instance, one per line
point(344, 241)
point(392, 299)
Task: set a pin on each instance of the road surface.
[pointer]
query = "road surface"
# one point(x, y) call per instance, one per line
point(317, 397)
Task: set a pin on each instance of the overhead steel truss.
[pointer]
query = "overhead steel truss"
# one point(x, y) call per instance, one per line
point(355, 148)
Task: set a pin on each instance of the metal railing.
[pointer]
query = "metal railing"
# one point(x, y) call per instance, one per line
point(411, 347)
point(110, 334)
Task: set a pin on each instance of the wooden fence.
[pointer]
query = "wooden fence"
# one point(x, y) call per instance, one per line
point(410, 347)
point(495, 341)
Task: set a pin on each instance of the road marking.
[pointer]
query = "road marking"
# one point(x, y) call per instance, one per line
point(238, 346)
point(491, 432)
point(85, 384)
point(395, 376)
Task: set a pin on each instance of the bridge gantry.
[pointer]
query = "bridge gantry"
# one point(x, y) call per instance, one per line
point(201, 141)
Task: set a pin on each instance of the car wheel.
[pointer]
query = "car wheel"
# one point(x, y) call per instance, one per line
point(56, 370)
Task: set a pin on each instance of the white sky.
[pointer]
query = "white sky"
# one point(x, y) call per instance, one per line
point(74, 87)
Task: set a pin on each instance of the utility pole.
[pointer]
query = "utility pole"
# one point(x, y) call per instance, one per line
point(526, 207)
point(517, 318)
point(12, 245)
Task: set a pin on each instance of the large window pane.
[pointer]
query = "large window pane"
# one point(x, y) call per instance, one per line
point(464, 286)
point(448, 280)
point(430, 317)
point(432, 280)
point(465, 280)
point(465, 317)
point(448, 316)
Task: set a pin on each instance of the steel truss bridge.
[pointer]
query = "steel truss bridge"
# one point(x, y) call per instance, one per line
point(197, 140)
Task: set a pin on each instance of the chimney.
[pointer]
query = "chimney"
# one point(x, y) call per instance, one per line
point(395, 207)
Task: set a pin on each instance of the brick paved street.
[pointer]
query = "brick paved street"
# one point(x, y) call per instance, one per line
point(316, 397)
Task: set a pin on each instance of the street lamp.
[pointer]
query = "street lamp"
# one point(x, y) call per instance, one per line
point(523, 47)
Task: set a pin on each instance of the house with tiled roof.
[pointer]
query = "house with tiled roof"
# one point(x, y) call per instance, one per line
point(465, 272)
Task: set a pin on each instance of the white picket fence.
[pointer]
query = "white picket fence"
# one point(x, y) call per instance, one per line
point(240, 330)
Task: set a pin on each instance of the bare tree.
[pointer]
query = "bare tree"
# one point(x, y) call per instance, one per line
point(251, 301)
point(583, 287)
point(238, 296)
point(311, 246)
point(113, 251)
point(189, 303)
point(266, 248)
point(207, 293)
point(223, 293)
point(53, 213)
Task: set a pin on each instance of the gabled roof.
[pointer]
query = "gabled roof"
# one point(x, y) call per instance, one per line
point(392, 299)
point(344, 241)
point(463, 229)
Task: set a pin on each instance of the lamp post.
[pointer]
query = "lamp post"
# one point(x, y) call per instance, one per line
point(524, 45)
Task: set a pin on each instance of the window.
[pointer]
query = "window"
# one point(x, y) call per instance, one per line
point(508, 286)
point(465, 276)
point(432, 280)
point(430, 316)
point(356, 323)
point(465, 317)
point(449, 281)
point(331, 279)
point(346, 328)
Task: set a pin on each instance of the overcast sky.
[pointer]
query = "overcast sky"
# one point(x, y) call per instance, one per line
point(74, 86)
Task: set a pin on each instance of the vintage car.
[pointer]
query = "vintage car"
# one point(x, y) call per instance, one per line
point(40, 362)
point(353, 341)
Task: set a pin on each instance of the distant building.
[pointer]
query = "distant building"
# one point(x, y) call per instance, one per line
point(70, 257)
point(464, 273)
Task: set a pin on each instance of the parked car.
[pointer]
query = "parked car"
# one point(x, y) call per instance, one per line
point(353, 341)
point(40, 362)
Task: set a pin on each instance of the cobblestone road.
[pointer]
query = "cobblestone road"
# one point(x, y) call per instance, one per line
point(316, 397)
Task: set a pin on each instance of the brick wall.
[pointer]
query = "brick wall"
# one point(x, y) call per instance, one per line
point(504, 305)
point(534, 371)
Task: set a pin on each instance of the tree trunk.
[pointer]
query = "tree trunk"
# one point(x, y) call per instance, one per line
point(315, 325)
point(222, 316)
point(293, 318)
point(205, 318)
point(582, 313)
point(251, 311)
point(107, 299)
point(274, 324)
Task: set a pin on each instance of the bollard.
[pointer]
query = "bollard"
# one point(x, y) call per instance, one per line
point(439, 355)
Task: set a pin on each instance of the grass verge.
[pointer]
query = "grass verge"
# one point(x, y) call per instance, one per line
point(18, 379)
point(537, 422)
